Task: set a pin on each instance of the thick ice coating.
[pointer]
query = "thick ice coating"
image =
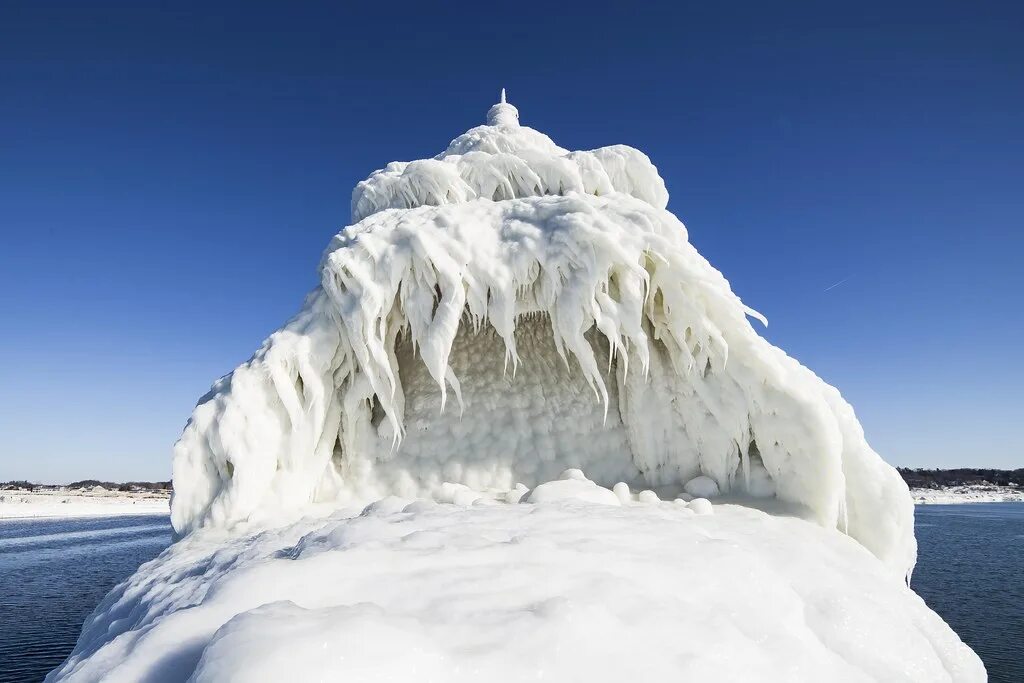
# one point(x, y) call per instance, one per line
point(508, 310)
point(572, 588)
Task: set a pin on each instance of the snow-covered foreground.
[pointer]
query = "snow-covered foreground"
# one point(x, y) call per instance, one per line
point(16, 504)
point(950, 495)
point(568, 590)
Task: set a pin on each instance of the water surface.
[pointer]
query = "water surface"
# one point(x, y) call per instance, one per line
point(970, 569)
point(53, 572)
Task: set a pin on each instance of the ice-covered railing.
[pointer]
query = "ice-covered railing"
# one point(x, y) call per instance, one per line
point(503, 160)
point(661, 348)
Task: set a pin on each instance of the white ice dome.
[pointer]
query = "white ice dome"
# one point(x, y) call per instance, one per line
point(564, 308)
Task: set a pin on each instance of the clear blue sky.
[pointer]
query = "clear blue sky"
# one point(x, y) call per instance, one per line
point(169, 177)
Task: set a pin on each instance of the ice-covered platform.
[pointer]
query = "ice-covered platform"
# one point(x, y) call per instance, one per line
point(573, 588)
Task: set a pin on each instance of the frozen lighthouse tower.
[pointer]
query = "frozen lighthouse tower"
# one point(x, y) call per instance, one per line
point(508, 310)
point(471, 453)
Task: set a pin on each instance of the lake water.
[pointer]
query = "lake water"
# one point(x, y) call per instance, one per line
point(970, 569)
point(53, 572)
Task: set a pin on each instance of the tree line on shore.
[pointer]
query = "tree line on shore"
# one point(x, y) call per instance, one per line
point(929, 479)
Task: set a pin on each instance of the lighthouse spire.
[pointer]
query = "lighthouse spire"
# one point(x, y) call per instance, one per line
point(503, 113)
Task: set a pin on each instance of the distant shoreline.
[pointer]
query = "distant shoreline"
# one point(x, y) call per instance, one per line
point(64, 502)
point(964, 485)
point(92, 498)
point(954, 495)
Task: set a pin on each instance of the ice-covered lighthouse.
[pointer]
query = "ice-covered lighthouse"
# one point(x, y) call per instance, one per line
point(508, 310)
point(523, 431)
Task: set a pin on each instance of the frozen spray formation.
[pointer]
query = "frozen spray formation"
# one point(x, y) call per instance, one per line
point(508, 310)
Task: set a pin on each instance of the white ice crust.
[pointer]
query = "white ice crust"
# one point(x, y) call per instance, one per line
point(510, 309)
point(567, 589)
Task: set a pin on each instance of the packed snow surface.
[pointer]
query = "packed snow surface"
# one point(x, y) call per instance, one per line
point(510, 309)
point(583, 586)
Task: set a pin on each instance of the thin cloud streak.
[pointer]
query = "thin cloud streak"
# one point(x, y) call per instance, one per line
point(836, 284)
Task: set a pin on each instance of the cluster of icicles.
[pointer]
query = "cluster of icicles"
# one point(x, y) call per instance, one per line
point(507, 235)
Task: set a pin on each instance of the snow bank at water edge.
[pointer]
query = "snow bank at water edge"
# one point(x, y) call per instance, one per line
point(509, 309)
point(16, 504)
point(951, 495)
point(587, 584)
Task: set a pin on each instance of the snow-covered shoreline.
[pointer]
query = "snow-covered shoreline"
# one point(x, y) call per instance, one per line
point(970, 493)
point(16, 504)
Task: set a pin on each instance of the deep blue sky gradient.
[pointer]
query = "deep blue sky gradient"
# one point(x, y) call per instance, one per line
point(169, 177)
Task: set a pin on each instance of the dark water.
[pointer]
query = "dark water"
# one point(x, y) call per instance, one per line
point(53, 572)
point(970, 569)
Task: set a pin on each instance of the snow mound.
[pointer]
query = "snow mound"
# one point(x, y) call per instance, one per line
point(508, 310)
point(572, 487)
point(564, 590)
point(702, 486)
point(702, 506)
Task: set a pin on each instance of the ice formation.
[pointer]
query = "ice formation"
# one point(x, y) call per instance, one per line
point(567, 589)
point(508, 310)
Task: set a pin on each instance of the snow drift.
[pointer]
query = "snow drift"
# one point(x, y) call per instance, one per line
point(510, 309)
